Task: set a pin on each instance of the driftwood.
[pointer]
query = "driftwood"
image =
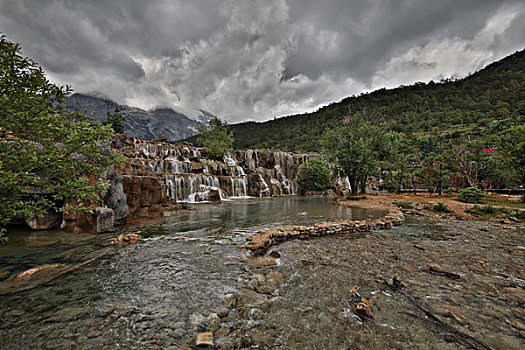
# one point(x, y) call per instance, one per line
point(320, 262)
point(11, 287)
point(439, 271)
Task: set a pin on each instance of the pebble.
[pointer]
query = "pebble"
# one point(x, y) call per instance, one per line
point(204, 339)
point(223, 332)
point(196, 319)
point(214, 322)
point(230, 301)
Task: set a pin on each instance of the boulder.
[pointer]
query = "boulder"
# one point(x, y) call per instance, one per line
point(214, 196)
point(116, 198)
point(46, 220)
point(79, 222)
point(104, 219)
point(145, 196)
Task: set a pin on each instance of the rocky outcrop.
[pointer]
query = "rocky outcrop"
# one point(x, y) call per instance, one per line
point(260, 242)
point(189, 176)
point(47, 220)
point(156, 175)
point(145, 195)
point(100, 220)
point(115, 197)
point(104, 218)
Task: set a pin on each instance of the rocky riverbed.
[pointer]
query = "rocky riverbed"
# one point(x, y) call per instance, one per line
point(431, 283)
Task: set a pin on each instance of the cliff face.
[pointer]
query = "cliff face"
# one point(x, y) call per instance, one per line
point(184, 174)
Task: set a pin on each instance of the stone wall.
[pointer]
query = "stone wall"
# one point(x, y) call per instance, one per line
point(259, 243)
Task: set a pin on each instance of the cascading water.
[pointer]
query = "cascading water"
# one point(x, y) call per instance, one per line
point(239, 188)
point(191, 178)
point(192, 187)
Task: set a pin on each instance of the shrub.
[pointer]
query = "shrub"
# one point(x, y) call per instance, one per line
point(216, 139)
point(316, 173)
point(441, 208)
point(471, 195)
point(487, 210)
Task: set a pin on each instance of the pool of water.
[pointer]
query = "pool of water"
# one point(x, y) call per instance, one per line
point(142, 295)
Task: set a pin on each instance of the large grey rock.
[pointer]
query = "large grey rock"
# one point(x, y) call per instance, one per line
point(116, 198)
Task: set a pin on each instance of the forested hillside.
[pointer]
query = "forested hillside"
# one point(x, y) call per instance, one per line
point(492, 98)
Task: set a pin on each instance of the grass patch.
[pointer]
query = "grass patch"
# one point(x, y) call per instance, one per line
point(355, 198)
point(488, 211)
point(438, 208)
point(441, 208)
point(505, 202)
point(519, 214)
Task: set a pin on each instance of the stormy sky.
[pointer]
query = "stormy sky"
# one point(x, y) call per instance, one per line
point(255, 60)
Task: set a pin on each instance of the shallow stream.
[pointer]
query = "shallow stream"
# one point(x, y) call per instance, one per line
point(189, 276)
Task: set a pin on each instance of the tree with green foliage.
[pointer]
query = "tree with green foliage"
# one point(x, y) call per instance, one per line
point(316, 174)
point(46, 153)
point(216, 139)
point(511, 141)
point(356, 149)
point(434, 175)
point(400, 152)
point(115, 120)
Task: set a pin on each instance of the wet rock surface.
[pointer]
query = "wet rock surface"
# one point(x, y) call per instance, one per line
point(46, 220)
point(115, 197)
point(163, 292)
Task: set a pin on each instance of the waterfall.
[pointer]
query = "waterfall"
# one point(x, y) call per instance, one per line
point(192, 187)
point(344, 184)
point(191, 178)
point(239, 188)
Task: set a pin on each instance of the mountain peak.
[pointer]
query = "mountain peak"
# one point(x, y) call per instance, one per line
point(145, 125)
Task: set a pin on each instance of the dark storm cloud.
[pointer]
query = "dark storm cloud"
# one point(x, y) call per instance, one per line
point(257, 59)
point(368, 33)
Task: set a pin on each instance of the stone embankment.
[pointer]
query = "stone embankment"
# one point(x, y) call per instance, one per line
point(260, 242)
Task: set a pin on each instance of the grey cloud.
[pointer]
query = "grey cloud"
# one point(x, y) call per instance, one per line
point(370, 32)
point(253, 60)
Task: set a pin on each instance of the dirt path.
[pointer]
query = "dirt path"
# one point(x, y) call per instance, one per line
point(416, 204)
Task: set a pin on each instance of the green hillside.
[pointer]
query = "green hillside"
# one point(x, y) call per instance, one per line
point(451, 108)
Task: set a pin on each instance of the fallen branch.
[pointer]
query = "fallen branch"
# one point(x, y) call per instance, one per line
point(439, 271)
point(12, 286)
point(320, 262)
point(460, 336)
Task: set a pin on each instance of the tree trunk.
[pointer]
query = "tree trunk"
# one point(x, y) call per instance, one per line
point(354, 183)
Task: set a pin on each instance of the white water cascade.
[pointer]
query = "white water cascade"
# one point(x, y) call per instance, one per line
point(190, 177)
